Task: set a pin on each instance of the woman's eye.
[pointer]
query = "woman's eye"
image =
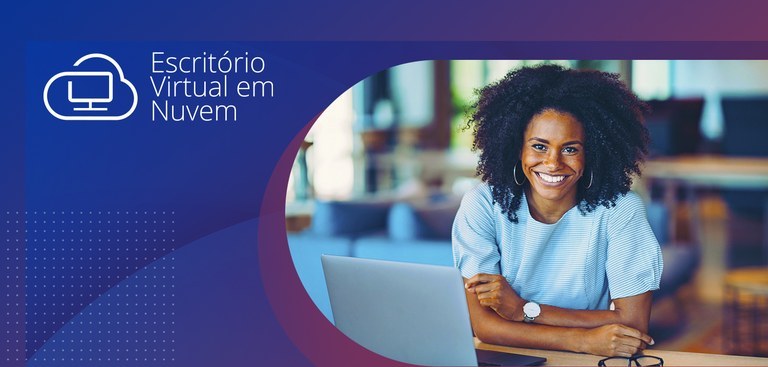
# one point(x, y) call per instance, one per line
point(570, 150)
point(539, 147)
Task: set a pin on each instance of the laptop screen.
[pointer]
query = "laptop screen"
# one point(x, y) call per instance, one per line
point(408, 312)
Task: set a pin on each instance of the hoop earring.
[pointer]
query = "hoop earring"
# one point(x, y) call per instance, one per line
point(514, 176)
point(591, 176)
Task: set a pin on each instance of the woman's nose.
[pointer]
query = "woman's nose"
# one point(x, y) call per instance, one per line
point(552, 159)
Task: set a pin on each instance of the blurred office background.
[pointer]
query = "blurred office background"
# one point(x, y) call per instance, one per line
point(382, 171)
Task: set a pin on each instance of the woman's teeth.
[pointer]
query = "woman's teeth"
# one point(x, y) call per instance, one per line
point(550, 178)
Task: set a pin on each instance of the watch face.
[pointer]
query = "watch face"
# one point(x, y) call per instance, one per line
point(532, 309)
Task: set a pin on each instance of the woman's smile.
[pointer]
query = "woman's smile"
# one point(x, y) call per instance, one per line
point(553, 158)
point(551, 180)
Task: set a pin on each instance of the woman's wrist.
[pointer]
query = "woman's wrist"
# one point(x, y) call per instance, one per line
point(577, 340)
point(514, 311)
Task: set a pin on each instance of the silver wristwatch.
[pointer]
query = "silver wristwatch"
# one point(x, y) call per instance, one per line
point(531, 311)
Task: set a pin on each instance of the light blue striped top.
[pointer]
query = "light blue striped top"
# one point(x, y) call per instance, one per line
point(580, 262)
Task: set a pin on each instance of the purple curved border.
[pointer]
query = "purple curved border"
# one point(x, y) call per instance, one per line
point(321, 342)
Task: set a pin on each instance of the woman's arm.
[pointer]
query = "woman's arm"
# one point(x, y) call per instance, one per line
point(634, 311)
point(607, 340)
point(493, 291)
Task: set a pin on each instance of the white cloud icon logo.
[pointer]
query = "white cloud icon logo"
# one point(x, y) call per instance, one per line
point(91, 93)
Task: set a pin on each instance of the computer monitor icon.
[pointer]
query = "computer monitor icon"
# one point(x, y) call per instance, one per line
point(90, 87)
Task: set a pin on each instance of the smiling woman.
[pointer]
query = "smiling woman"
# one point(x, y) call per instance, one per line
point(553, 162)
point(553, 237)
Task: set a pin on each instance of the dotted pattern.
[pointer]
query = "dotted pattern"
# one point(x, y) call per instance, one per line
point(12, 295)
point(72, 258)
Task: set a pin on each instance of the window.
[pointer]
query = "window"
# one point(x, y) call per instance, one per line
point(331, 150)
point(651, 79)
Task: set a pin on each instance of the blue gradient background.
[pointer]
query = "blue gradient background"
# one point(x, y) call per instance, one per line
point(236, 298)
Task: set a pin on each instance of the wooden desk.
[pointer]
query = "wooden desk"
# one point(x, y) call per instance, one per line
point(704, 171)
point(556, 358)
point(711, 171)
point(701, 171)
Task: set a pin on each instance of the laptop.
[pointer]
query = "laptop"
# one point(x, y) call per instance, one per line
point(408, 312)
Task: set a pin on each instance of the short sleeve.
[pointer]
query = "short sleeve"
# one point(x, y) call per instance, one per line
point(634, 263)
point(474, 234)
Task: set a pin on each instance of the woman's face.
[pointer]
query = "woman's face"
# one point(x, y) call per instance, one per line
point(553, 156)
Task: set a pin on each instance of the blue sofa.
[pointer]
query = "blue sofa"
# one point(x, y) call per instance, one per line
point(420, 231)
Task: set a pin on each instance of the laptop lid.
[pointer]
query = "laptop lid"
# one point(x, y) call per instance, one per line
point(412, 313)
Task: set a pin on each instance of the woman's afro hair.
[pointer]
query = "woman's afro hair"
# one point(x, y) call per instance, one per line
point(610, 114)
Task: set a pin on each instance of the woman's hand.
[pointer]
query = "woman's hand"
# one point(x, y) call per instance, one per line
point(615, 340)
point(493, 290)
